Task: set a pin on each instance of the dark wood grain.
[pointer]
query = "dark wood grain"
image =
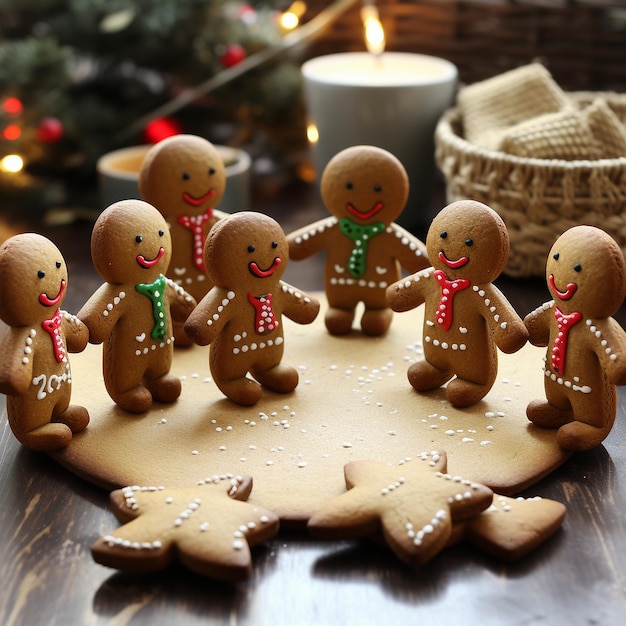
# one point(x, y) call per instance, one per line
point(49, 519)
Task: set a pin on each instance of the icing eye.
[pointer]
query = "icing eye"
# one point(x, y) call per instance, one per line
point(274, 244)
point(138, 238)
point(555, 256)
point(578, 267)
point(186, 176)
point(469, 242)
point(211, 171)
point(443, 234)
point(349, 185)
point(161, 233)
point(41, 274)
point(58, 264)
point(251, 248)
point(377, 188)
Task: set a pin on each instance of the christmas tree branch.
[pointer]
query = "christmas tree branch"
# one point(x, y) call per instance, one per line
point(308, 31)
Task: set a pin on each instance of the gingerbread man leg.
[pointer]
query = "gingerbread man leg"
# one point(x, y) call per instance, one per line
point(461, 392)
point(339, 321)
point(547, 415)
point(425, 377)
point(52, 436)
point(243, 390)
point(376, 322)
point(592, 421)
point(166, 388)
point(281, 378)
point(75, 417)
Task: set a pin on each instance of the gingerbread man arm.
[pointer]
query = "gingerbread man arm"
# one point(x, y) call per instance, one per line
point(76, 333)
point(309, 240)
point(181, 303)
point(408, 293)
point(537, 323)
point(217, 216)
point(298, 306)
point(208, 319)
point(16, 365)
point(407, 249)
point(509, 331)
point(102, 311)
point(609, 344)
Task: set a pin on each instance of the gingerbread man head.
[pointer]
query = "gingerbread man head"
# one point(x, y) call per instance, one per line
point(130, 243)
point(33, 276)
point(365, 184)
point(586, 272)
point(246, 251)
point(183, 175)
point(468, 240)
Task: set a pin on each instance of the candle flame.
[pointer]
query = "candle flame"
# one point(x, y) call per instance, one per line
point(374, 32)
point(312, 133)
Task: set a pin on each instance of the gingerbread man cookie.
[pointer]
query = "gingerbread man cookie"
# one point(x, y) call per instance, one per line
point(365, 189)
point(417, 508)
point(184, 178)
point(209, 527)
point(35, 370)
point(586, 354)
point(466, 317)
point(133, 310)
point(246, 254)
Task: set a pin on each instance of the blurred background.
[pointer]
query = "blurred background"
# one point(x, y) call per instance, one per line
point(79, 78)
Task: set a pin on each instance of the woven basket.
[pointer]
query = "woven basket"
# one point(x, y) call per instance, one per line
point(538, 199)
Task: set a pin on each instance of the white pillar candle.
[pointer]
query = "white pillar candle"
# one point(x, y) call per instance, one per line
point(392, 100)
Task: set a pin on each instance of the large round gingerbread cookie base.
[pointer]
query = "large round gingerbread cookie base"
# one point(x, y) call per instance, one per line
point(353, 402)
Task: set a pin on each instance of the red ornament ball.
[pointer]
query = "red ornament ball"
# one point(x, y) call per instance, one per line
point(161, 128)
point(50, 130)
point(232, 55)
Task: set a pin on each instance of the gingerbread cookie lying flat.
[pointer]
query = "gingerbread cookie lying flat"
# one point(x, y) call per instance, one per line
point(246, 254)
point(132, 311)
point(184, 178)
point(208, 527)
point(414, 505)
point(35, 370)
point(586, 355)
point(365, 189)
point(466, 316)
point(417, 508)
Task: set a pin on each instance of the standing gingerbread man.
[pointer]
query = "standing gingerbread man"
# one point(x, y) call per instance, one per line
point(133, 310)
point(184, 178)
point(586, 355)
point(365, 189)
point(466, 317)
point(246, 254)
point(35, 370)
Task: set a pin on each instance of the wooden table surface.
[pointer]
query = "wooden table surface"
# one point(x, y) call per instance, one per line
point(49, 519)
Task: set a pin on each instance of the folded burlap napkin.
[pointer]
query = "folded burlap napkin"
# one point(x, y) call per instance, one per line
point(525, 113)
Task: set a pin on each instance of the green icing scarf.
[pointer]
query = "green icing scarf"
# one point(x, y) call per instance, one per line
point(360, 234)
point(155, 291)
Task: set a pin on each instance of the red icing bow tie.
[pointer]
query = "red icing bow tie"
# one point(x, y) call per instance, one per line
point(449, 288)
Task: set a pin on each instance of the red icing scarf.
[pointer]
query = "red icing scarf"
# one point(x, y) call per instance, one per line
point(265, 318)
point(564, 324)
point(449, 288)
point(52, 326)
point(195, 224)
